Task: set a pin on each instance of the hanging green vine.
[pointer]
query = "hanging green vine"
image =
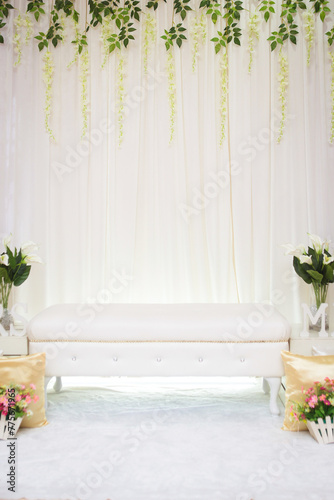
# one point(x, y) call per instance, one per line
point(197, 35)
point(253, 35)
point(171, 93)
point(330, 37)
point(309, 27)
point(223, 95)
point(119, 20)
point(5, 7)
point(149, 38)
point(22, 35)
point(48, 71)
point(120, 88)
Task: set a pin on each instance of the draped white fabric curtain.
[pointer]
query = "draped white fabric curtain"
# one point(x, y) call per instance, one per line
point(153, 222)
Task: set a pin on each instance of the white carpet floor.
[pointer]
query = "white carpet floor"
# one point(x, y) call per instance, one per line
point(132, 439)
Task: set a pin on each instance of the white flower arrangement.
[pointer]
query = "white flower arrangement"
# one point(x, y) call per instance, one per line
point(22, 23)
point(106, 32)
point(149, 38)
point(171, 93)
point(197, 35)
point(83, 77)
point(223, 95)
point(48, 70)
point(120, 91)
point(309, 27)
point(331, 55)
point(253, 35)
point(283, 77)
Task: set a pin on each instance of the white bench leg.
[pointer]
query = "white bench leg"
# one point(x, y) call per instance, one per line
point(274, 384)
point(46, 381)
point(58, 384)
point(265, 386)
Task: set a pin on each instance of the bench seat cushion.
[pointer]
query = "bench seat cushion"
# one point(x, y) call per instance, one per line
point(160, 322)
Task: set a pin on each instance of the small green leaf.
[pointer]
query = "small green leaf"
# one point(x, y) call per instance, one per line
point(266, 16)
point(273, 45)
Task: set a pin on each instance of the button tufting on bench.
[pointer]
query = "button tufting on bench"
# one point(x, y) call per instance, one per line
point(200, 360)
point(74, 358)
point(159, 360)
point(242, 360)
point(115, 358)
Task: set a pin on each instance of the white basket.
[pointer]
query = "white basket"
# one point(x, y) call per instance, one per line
point(9, 428)
point(323, 431)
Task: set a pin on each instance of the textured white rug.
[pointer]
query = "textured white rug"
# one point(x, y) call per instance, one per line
point(127, 439)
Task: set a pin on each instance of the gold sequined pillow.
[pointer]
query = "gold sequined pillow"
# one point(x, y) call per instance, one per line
point(26, 370)
point(302, 371)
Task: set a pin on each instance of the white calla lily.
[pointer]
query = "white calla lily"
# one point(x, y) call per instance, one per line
point(317, 242)
point(29, 259)
point(4, 259)
point(328, 260)
point(292, 250)
point(305, 259)
point(6, 240)
point(29, 247)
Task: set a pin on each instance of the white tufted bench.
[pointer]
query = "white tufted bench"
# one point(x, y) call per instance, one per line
point(162, 340)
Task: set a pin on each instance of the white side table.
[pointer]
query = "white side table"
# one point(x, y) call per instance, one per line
point(14, 346)
point(301, 345)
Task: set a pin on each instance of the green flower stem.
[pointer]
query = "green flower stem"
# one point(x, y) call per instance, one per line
point(320, 292)
point(5, 289)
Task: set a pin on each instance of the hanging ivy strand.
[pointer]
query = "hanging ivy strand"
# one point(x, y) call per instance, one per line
point(118, 23)
point(330, 38)
point(283, 77)
point(120, 89)
point(175, 33)
point(83, 77)
point(171, 93)
point(253, 35)
point(22, 35)
point(48, 70)
point(309, 27)
point(5, 8)
point(223, 95)
point(149, 38)
point(197, 36)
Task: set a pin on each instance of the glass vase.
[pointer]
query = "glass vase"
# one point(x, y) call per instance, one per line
point(318, 297)
point(6, 319)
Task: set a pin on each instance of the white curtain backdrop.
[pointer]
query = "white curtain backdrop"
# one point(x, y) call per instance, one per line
point(153, 222)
